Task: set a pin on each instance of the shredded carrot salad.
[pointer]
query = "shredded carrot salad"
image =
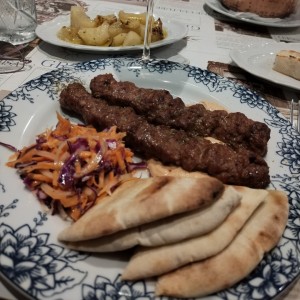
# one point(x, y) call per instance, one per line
point(73, 166)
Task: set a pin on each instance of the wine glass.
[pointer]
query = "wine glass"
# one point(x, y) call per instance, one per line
point(148, 30)
point(147, 36)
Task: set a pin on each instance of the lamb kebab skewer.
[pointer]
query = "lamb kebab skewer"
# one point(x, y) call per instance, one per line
point(159, 107)
point(170, 146)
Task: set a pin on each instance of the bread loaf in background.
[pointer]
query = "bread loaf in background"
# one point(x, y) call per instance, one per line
point(288, 62)
point(263, 8)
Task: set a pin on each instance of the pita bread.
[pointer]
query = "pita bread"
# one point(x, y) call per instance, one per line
point(156, 168)
point(140, 201)
point(259, 235)
point(169, 230)
point(149, 262)
point(191, 224)
point(118, 241)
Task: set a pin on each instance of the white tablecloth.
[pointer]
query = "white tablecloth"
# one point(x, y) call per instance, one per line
point(208, 39)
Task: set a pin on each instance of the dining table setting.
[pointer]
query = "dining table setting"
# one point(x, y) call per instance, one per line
point(212, 60)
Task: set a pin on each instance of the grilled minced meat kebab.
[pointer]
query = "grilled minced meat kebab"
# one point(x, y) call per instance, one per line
point(159, 107)
point(170, 146)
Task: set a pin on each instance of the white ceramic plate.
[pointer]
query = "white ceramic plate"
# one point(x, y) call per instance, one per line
point(31, 258)
point(258, 59)
point(291, 21)
point(48, 33)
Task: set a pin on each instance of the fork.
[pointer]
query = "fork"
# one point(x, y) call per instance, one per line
point(295, 114)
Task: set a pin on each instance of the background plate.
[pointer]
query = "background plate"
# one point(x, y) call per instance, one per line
point(291, 21)
point(48, 33)
point(258, 59)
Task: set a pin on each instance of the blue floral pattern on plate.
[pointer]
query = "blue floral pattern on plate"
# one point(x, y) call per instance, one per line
point(30, 256)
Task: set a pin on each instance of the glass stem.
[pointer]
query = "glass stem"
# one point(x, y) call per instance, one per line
point(148, 30)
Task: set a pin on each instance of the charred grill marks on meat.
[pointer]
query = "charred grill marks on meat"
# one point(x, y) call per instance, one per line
point(170, 146)
point(159, 107)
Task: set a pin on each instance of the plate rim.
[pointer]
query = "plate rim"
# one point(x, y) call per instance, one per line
point(83, 68)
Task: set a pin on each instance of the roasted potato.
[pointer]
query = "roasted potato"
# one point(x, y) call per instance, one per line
point(124, 17)
point(126, 29)
point(132, 39)
point(117, 28)
point(79, 18)
point(70, 34)
point(98, 36)
point(157, 31)
point(110, 19)
point(131, 24)
point(141, 31)
point(118, 40)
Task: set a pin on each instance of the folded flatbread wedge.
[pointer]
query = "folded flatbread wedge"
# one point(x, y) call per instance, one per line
point(169, 230)
point(187, 225)
point(259, 235)
point(141, 201)
point(156, 168)
point(153, 261)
